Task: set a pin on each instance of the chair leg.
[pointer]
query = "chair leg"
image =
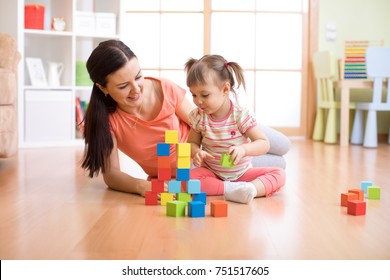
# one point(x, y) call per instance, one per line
point(318, 131)
point(331, 129)
point(371, 133)
point(357, 128)
point(388, 139)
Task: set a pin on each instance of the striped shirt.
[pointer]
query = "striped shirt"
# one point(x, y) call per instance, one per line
point(219, 135)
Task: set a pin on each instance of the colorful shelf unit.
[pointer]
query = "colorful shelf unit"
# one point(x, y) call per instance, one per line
point(354, 58)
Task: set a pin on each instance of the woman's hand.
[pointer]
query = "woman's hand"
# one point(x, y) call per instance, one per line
point(146, 185)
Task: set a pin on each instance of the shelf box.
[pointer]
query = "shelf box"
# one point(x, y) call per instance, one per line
point(49, 115)
point(34, 15)
point(84, 23)
point(105, 24)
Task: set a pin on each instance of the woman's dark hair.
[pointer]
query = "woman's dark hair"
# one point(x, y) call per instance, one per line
point(106, 58)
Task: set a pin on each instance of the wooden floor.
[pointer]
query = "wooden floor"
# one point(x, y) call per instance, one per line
point(49, 209)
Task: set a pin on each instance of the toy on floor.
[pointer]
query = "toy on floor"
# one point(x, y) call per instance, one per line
point(219, 208)
point(354, 198)
point(183, 192)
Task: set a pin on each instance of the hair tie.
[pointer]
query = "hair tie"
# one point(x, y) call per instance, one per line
point(226, 64)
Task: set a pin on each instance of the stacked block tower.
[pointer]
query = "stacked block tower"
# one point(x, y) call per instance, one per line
point(183, 192)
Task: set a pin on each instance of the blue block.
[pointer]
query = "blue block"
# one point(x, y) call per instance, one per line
point(364, 185)
point(196, 209)
point(183, 174)
point(200, 197)
point(163, 149)
point(174, 186)
point(193, 186)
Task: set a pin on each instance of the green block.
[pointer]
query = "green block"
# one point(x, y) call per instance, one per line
point(185, 197)
point(225, 161)
point(176, 208)
point(373, 192)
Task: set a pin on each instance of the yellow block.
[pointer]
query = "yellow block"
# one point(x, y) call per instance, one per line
point(171, 136)
point(165, 197)
point(183, 162)
point(184, 150)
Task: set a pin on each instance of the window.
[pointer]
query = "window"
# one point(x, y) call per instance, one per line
point(265, 36)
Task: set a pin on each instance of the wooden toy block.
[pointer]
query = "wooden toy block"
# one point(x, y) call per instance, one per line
point(183, 186)
point(200, 197)
point(356, 207)
point(151, 198)
point(157, 186)
point(345, 197)
point(193, 186)
point(176, 208)
point(184, 150)
point(165, 197)
point(171, 136)
point(364, 185)
point(225, 161)
point(219, 208)
point(183, 162)
point(374, 192)
point(163, 162)
point(174, 186)
point(182, 174)
point(359, 192)
point(163, 149)
point(196, 209)
point(164, 174)
point(184, 197)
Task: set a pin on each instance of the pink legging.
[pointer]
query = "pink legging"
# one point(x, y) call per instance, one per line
point(273, 179)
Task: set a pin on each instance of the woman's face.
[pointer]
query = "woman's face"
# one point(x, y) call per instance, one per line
point(126, 85)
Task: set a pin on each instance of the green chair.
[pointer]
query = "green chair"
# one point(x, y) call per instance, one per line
point(325, 126)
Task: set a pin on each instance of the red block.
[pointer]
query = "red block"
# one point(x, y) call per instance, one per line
point(219, 208)
point(183, 186)
point(356, 207)
point(157, 186)
point(345, 197)
point(151, 198)
point(164, 174)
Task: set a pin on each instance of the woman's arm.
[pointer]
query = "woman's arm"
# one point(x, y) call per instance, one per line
point(184, 110)
point(121, 181)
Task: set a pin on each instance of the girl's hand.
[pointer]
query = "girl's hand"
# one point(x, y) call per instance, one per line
point(236, 153)
point(199, 157)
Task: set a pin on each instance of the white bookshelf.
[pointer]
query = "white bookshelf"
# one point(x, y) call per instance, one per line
point(42, 109)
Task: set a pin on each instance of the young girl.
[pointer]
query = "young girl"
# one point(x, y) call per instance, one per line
point(218, 126)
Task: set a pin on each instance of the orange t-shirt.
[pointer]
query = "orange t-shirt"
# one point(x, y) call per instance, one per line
point(140, 143)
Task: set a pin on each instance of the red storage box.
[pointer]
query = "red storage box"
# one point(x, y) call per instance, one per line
point(34, 15)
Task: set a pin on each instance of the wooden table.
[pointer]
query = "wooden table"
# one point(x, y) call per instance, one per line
point(345, 86)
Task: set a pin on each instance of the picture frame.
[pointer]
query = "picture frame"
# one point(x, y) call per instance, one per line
point(36, 72)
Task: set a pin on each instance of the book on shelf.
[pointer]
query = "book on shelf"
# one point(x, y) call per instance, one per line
point(80, 113)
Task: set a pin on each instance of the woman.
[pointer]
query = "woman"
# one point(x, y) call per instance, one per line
point(130, 112)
